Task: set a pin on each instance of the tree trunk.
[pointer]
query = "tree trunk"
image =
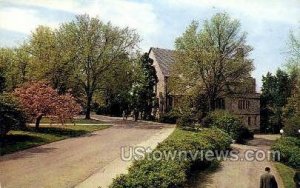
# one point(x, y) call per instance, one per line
point(211, 104)
point(136, 115)
point(88, 108)
point(37, 123)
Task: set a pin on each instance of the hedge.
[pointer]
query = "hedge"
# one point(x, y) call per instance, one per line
point(289, 148)
point(173, 173)
point(229, 123)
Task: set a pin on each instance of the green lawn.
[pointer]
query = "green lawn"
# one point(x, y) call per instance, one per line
point(19, 140)
point(76, 121)
point(286, 173)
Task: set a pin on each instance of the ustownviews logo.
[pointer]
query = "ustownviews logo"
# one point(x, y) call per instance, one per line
point(129, 153)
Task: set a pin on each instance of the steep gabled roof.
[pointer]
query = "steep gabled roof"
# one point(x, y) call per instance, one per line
point(165, 58)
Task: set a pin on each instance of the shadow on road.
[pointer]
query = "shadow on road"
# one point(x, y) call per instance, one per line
point(201, 177)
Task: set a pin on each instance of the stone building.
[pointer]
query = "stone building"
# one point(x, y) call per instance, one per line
point(243, 102)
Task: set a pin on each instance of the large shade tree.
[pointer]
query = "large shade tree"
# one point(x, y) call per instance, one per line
point(210, 59)
point(276, 90)
point(292, 109)
point(94, 48)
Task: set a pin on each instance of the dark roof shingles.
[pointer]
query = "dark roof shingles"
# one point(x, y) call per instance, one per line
point(165, 58)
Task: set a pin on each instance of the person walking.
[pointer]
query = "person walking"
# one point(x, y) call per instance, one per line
point(267, 180)
point(124, 114)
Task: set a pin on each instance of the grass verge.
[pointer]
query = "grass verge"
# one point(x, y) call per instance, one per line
point(286, 173)
point(20, 140)
point(76, 121)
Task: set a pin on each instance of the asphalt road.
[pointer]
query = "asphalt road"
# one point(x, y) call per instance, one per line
point(71, 162)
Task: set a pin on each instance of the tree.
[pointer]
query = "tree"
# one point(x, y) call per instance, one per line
point(143, 91)
point(94, 47)
point(14, 63)
point(6, 62)
point(150, 81)
point(21, 63)
point(66, 107)
point(49, 58)
point(276, 90)
point(39, 99)
point(212, 59)
point(294, 52)
point(291, 111)
point(114, 96)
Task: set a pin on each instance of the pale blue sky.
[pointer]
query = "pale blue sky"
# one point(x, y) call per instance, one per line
point(159, 22)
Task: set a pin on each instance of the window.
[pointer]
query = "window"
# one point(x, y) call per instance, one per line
point(249, 121)
point(243, 104)
point(220, 103)
point(170, 103)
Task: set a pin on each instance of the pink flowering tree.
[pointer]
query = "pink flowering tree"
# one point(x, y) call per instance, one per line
point(39, 99)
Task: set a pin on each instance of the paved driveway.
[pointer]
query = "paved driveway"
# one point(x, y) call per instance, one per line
point(241, 173)
point(79, 161)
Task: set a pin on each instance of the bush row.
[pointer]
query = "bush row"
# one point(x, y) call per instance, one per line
point(221, 119)
point(173, 173)
point(289, 148)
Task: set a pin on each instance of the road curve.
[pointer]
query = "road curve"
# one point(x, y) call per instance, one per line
point(76, 161)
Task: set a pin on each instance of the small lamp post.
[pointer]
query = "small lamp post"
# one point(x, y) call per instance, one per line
point(281, 132)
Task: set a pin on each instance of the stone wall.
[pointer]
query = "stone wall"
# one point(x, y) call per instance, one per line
point(250, 115)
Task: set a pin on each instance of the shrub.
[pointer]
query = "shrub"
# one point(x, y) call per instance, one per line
point(230, 124)
point(289, 148)
point(151, 173)
point(39, 99)
point(183, 118)
point(11, 115)
point(172, 173)
point(170, 117)
point(292, 126)
point(185, 121)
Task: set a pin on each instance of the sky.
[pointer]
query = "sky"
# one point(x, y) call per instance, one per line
point(159, 22)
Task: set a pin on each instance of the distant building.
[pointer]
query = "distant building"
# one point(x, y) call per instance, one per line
point(243, 102)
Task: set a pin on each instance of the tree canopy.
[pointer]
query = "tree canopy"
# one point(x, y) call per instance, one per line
point(212, 58)
point(276, 90)
point(94, 48)
point(82, 55)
